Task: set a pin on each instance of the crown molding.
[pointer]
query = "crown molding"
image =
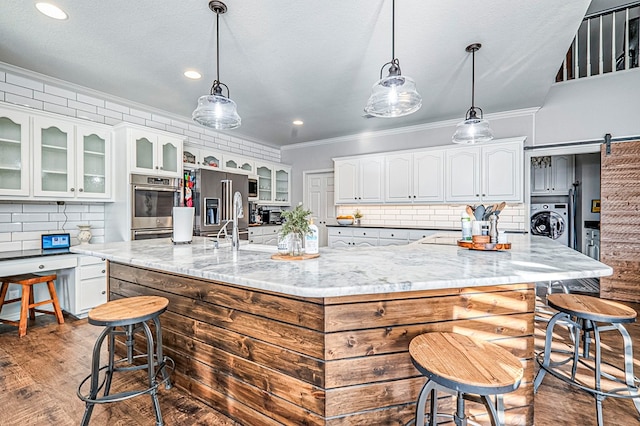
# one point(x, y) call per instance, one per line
point(409, 129)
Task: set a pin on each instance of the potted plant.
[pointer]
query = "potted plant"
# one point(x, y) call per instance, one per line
point(296, 226)
point(357, 215)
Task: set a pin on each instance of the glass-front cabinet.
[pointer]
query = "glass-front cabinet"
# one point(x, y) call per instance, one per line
point(14, 153)
point(283, 183)
point(155, 154)
point(265, 182)
point(237, 164)
point(93, 163)
point(54, 158)
point(196, 158)
point(274, 183)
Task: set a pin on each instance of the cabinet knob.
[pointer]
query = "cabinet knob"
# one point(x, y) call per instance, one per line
point(72, 189)
point(364, 233)
point(392, 235)
point(103, 271)
point(40, 266)
point(81, 190)
point(414, 196)
point(409, 196)
point(477, 195)
point(104, 292)
point(156, 167)
point(484, 195)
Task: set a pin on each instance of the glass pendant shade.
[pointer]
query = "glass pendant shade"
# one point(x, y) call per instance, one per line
point(472, 130)
point(393, 96)
point(217, 112)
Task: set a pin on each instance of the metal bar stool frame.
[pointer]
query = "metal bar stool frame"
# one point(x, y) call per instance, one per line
point(156, 364)
point(583, 329)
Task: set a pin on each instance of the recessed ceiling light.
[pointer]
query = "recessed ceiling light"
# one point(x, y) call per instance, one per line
point(298, 122)
point(194, 75)
point(51, 11)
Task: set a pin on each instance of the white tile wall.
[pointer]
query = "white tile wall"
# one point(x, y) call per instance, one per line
point(512, 218)
point(21, 224)
point(46, 96)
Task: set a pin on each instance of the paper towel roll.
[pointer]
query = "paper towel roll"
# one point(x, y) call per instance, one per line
point(183, 224)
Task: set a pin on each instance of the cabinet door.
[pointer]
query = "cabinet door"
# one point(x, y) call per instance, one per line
point(169, 156)
point(502, 172)
point(93, 163)
point(93, 292)
point(14, 153)
point(428, 176)
point(540, 177)
point(210, 159)
point(54, 158)
point(265, 182)
point(282, 185)
point(346, 178)
point(562, 173)
point(191, 157)
point(462, 175)
point(239, 164)
point(371, 178)
point(399, 178)
point(143, 157)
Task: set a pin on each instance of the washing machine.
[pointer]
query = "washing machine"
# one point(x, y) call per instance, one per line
point(551, 220)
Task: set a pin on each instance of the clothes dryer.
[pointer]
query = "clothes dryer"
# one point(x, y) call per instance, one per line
point(551, 220)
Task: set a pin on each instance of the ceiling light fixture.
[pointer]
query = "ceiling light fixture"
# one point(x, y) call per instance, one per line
point(473, 129)
point(194, 75)
point(51, 11)
point(298, 122)
point(394, 95)
point(216, 110)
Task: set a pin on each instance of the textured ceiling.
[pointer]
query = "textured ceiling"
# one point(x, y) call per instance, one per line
point(309, 60)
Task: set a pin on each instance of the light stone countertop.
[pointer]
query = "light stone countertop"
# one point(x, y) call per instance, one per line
point(358, 270)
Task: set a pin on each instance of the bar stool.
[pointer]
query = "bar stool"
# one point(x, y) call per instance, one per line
point(472, 369)
point(587, 317)
point(27, 281)
point(125, 317)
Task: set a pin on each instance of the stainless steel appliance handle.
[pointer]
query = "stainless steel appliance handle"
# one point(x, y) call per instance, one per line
point(155, 188)
point(153, 232)
point(227, 199)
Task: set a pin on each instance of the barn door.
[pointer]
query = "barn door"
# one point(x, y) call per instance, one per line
point(620, 221)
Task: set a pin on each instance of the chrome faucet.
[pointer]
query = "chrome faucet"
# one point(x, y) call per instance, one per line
point(238, 212)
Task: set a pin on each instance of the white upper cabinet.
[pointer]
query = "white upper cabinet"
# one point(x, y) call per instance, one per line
point(414, 177)
point(236, 164)
point(93, 163)
point(492, 172)
point(552, 175)
point(54, 158)
point(359, 180)
point(14, 153)
point(154, 153)
point(274, 184)
point(201, 157)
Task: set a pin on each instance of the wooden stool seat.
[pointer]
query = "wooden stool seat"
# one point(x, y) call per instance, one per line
point(28, 304)
point(592, 308)
point(131, 310)
point(470, 367)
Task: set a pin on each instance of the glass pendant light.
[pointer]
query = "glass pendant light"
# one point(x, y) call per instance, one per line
point(394, 95)
point(473, 129)
point(216, 110)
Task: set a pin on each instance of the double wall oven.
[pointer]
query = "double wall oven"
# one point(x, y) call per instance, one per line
point(152, 202)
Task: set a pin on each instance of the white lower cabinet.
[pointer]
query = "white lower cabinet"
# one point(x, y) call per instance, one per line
point(393, 237)
point(86, 286)
point(348, 237)
point(265, 234)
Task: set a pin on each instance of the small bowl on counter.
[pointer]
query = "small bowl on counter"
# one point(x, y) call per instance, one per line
point(345, 220)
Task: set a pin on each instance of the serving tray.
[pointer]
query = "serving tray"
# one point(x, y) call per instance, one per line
point(305, 256)
point(484, 246)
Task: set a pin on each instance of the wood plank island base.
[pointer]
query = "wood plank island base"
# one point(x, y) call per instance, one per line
point(265, 354)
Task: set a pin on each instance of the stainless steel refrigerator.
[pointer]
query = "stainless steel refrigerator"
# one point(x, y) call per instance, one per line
point(213, 200)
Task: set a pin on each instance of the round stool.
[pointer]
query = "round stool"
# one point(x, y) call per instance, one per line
point(125, 317)
point(586, 317)
point(472, 369)
point(27, 281)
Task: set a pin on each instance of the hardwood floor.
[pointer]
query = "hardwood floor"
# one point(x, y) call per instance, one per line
point(40, 372)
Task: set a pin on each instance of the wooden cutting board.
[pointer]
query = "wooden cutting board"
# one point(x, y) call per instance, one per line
point(279, 256)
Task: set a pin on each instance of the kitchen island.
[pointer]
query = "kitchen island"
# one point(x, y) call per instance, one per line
point(325, 341)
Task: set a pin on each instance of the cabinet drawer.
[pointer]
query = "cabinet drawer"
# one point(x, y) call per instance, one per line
point(90, 260)
point(254, 231)
point(93, 271)
point(340, 232)
point(368, 233)
point(271, 230)
point(93, 292)
point(41, 264)
point(419, 234)
point(400, 234)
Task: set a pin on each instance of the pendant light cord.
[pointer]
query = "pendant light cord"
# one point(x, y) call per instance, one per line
point(217, 47)
point(473, 78)
point(393, 30)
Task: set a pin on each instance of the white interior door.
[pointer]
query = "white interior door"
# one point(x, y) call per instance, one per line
point(319, 198)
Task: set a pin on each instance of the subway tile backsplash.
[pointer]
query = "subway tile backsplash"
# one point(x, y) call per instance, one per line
point(21, 224)
point(512, 218)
